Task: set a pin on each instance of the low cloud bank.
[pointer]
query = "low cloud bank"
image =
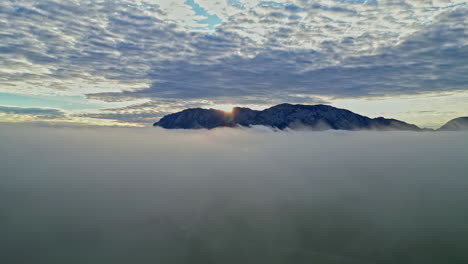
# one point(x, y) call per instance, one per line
point(122, 195)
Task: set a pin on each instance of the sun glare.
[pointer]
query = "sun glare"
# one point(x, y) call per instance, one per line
point(223, 107)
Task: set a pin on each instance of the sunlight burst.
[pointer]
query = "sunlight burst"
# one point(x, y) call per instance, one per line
point(223, 107)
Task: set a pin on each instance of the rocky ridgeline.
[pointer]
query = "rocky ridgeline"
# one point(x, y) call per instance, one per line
point(315, 117)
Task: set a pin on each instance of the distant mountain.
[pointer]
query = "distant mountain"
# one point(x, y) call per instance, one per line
point(456, 124)
point(316, 117)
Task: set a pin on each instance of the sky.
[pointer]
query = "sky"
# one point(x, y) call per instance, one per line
point(129, 63)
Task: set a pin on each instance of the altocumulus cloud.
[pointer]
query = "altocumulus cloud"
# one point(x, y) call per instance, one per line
point(101, 195)
point(256, 52)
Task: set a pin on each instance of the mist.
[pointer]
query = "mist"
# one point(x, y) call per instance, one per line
point(148, 195)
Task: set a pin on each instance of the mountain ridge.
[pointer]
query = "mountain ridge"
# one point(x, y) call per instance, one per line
point(456, 124)
point(282, 116)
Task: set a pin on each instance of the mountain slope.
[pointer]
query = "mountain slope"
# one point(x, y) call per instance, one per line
point(456, 124)
point(317, 117)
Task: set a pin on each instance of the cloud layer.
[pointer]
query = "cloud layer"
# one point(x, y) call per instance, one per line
point(106, 195)
point(28, 114)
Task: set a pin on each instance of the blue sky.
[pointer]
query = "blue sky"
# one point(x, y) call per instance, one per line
point(211, 21)
point(130, 62)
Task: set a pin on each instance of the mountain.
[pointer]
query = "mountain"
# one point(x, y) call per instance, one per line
point(456, 124)
point(316, 117)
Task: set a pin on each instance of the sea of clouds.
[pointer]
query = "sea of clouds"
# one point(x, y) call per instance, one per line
point(148, 195)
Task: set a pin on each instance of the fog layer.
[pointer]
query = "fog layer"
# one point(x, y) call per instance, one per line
point(118, 195)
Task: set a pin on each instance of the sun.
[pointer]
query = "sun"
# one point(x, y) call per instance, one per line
point(223, 107)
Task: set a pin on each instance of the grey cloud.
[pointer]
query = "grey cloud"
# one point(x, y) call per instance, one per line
point(77, 40)
point(42, 113)
point(109, 195)
point(431, 61)
point(126, 43)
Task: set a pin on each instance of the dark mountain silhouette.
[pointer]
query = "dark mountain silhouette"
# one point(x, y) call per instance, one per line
point(456, 124)
point(316, 117)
